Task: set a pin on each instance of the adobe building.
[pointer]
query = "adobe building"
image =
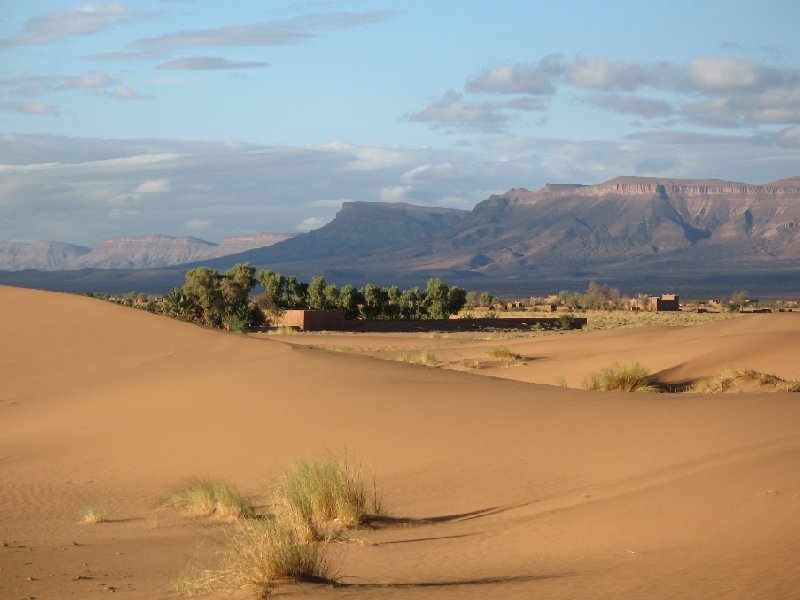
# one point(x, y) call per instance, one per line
point(667, 302)
point(312, 320)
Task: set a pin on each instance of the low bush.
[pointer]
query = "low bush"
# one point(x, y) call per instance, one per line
point(624, 377)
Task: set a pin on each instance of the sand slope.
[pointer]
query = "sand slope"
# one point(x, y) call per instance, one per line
point(505, 488)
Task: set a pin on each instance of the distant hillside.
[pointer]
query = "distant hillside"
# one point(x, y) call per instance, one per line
point(126, 252)
point(361, 228)
point(639, 234)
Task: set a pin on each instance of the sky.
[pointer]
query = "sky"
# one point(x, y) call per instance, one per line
point(216, 119)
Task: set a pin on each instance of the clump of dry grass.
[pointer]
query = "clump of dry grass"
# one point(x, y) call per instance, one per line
point(503, 354)
point(423, 358)
point(207, 497)
point(283, 330)
point(624, 377)
point(320, 498)
point(255, 555)
point(730, 378)
point(94, 513)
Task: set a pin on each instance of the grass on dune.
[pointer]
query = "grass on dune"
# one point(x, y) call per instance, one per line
point(503, 354)
point(624, 377)
point(209, 496)
point(256, 554)
point(321, 497)
point(312, 502)
point(422, 358)
point(730, 378)
point(94, 513)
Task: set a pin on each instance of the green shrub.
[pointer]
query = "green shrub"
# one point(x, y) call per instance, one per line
point(566, 321)
point(624, 377)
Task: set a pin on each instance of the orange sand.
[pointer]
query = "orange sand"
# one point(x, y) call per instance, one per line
point(530, 490)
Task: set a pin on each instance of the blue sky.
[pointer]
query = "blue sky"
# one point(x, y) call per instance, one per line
point(124, 117)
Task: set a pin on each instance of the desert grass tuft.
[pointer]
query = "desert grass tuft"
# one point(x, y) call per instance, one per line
point(207, 497)
point(321, 497)
point(256, 554)
point(503, 354)
point(423, 358)
point(624, 377)
point(283, 330)
point(730, 378)
point(94, 513)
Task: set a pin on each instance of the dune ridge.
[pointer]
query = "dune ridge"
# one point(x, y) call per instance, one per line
point(499, 488)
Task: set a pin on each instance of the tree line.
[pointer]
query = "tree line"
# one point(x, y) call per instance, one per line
point(225, 299)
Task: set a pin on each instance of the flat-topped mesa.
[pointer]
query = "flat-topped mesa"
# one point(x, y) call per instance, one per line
point(649, 186)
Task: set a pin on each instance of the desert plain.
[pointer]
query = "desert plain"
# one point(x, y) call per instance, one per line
point(503, 478)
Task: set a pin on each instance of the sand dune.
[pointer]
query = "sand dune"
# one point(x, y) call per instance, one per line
point(508, 488)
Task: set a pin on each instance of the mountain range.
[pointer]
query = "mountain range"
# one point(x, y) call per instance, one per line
point(150, 251)
point(639, 234)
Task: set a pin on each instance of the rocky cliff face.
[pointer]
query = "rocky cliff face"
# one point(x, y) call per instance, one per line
point(634, 217)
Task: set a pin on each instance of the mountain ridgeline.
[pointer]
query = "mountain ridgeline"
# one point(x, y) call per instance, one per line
point(639, 234)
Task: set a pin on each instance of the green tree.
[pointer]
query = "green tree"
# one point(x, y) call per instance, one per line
point(296, 293)
point(375, 298)
point(739, 300)
point(349, 299)
point(235, 286)
point(456, 299)
point(316, 292)
point(436, 300)
point(202, 288)
point(411, 304)
point(274, 285)
point(331, 295)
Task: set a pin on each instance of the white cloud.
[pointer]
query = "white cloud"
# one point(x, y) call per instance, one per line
point(716, 91)
point(603, 74)
point(428, 171)
point(454, 113)
point(196, 224)
point(370, 158)
point(725, 73)
point(328, 203)
point(648, 108)
point(81, 20)
point(122, 93)
point(516, 79)
point(394, 193)
point(30, 107)
point(208, 63)
point(153, 186)
point(88, 81)
point(310, 223)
